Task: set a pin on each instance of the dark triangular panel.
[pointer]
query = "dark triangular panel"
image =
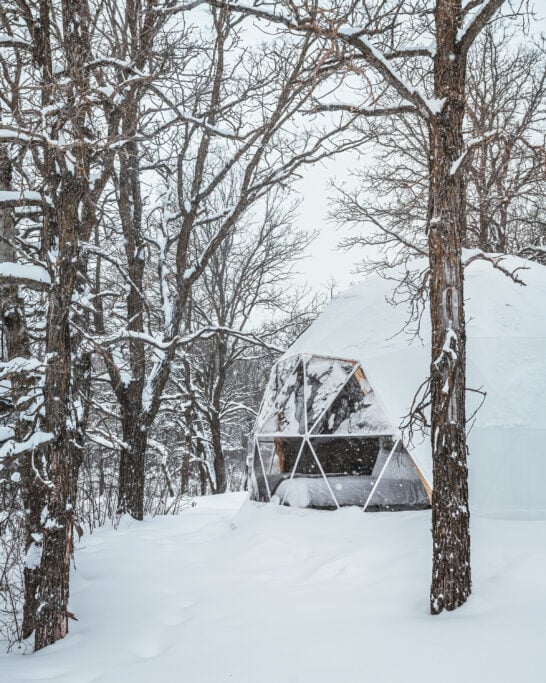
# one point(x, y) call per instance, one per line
point(346, 455)
point(356, 410)
point(324, 378)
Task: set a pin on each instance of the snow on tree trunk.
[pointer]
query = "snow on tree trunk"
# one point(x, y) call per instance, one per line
point(67, 182)
point(451, 580)
point(12, 312)
point(132, 460)
point(219, 457)
point(58, 515)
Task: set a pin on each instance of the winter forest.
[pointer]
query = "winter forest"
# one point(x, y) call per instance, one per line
point(194, 414)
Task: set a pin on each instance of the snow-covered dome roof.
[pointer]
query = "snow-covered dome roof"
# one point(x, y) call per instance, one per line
point(506, 357)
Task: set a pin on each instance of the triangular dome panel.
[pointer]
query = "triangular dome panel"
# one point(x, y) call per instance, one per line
point(286, 415)
point(324, 378)
point(355, 410)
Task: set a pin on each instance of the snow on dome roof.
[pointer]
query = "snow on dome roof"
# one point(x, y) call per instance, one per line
point(506, 357)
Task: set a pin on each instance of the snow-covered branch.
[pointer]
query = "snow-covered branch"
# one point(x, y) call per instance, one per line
point(496, 262)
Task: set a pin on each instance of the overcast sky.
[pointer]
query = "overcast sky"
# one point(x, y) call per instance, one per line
point(325, 261)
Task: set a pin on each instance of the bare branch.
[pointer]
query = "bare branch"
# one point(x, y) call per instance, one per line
point(478, 23)
point(496, 262)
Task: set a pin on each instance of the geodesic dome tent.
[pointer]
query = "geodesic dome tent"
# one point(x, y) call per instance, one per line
point(328, 432)
point(323, 440)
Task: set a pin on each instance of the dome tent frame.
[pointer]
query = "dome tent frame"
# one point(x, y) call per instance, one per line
point(323, 410)
point(504, 329)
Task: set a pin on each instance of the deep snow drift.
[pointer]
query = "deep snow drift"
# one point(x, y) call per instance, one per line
point(264, 594)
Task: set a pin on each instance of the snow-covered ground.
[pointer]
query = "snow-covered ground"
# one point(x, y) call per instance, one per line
point(260, 594)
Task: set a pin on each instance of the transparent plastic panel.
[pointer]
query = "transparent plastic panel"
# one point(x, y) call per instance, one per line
point(275, 454)
point(270, 456)
point(356, 410)
point(288, 450)
point(268, 400)
point(324, 378)
point(259, 489)
point(296, 490)
point(279, 375)
point(400, 485)
point(284, 369)
point(308, 492)
point(287, 414)
point(347, 456)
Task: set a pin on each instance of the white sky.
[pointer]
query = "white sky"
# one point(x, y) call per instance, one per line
point(325, 260)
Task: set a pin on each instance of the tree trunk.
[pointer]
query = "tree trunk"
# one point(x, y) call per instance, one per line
point(132, 470)
point(61, 455)
point(66, 181)
point(484, 235)
point(12, 312)
point(215, 422)
point(451, 580)
point(204, 478)
point(135, 435)
point(218, 454)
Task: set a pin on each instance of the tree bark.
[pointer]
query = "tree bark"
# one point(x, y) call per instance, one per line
point(451, 580)
point(67, 183)
point(218, 454)
point(135, 431)
point(215, 421)
point(12, 312)
point(132, 469)
point(61, 454)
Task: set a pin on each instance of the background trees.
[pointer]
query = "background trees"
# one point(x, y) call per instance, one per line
point(504, 111)
point(135, 147)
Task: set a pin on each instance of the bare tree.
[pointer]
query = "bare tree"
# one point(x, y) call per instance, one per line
point(505, 108)
point(390, 38)
point(48, 115)
point(246, 280)
point(233, 138)
point(506, 180)
point(17, 354)
point(135, 150)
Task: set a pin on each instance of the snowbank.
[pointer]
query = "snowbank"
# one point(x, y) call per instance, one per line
point(267, 594)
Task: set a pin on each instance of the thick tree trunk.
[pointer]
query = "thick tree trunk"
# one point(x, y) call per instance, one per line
point(17, 344)
point(451, 580)
point(135, 435)
point(66, 180)
point(132, 470)
point(61, 455)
